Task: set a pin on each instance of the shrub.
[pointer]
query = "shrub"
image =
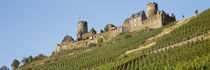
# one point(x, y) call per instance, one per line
point(100, 40)
point(92, 45)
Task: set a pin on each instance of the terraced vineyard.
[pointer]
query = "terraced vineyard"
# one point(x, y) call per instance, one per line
point(192, 56)
point(106, 55)
point(103, 52)
point(200, 25)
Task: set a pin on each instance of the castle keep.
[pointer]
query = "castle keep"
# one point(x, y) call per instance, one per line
point(136, 21)
point(152, 9)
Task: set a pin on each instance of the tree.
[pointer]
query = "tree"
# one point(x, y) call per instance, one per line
point(40, 57)
point(100, 40)
point(182, 16)
point(196, 12)
point(25, 61)
point(4, 68)
point(15, 64)
point(92, 45)
point(172, 15)
point(30, 59)
point(106, 28)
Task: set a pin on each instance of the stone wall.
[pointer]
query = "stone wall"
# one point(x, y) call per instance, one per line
point(152, 9)
point(84, 43)
point(137, 21)
point(82, 27)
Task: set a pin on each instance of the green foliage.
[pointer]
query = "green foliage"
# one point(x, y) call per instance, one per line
point(107, 36)
point(92, 45)
point(194, 56)
point(40, 57)
point(100, 40)
point(4, 68)
point(127, 36)
point(172, 15)
point(30, 59)
point(195, 27)
point(182, 16)
point(196, 11)
point(189, 55)
point(25, 61)
point(106, 28)
point(15, 64)
point(109, 51)
point(169, 19)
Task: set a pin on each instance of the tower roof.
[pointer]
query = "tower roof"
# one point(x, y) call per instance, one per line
point(67, 38)
point(93, 31)
point(138, 14)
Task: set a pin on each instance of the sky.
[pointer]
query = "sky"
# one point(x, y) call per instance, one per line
point(31, 27)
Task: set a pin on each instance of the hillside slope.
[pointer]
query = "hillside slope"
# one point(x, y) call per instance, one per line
point(133, 50)
point(195, 30)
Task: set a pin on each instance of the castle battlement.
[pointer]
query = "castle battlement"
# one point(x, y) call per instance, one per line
point(137, 21)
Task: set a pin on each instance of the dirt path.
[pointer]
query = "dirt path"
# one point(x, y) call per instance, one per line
point(194, 39)
point(151, 41)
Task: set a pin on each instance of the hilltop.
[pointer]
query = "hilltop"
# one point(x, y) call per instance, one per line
point(137, 21)
point(182, 44)
point(151, 40)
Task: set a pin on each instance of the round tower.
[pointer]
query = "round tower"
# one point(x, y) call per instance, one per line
point(152, 9)
point(82, 27)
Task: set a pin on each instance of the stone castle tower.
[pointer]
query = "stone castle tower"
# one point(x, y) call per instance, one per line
point(152, 9)
point(82, 29)
point(137, 21)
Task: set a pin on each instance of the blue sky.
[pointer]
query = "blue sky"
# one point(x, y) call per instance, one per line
point(31, 27)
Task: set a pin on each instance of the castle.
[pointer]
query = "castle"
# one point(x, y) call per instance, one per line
point(137, 21)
